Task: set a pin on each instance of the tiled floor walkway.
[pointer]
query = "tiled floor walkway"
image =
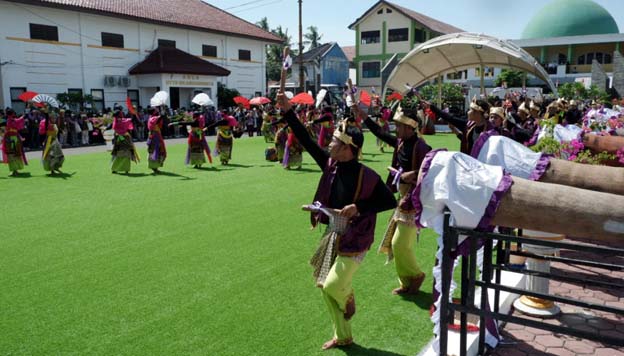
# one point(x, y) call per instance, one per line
point(520, 340)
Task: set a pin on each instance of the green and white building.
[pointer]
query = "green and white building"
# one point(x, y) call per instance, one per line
point(387, 29)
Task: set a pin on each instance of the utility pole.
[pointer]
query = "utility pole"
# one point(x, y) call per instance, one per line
point(301, 80)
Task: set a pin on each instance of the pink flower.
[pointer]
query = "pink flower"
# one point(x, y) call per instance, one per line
point(620, 155)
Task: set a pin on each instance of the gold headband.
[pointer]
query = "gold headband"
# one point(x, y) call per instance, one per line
point(401, 118)
point(500, 112)
point(474, 106)
point(343, 136)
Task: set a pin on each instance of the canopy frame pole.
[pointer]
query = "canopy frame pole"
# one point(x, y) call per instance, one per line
point(440, 90)
point(481, 77)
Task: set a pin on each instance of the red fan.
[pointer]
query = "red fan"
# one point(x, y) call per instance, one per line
point(130, 107)
point(365, 98)
point(27, 96)
point(303, 98)
point(260, 100)
point(242, 101)
point(394, 96)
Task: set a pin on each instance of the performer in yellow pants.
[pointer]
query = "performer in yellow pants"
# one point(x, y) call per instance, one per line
point(409, 152)
point(404, 258)
point(337, 291)
point(348, 198)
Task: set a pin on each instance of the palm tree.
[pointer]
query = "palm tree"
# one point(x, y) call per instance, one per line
point(312, 38)
point(274, 53)
point(263, 24)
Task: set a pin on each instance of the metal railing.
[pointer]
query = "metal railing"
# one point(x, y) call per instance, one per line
point(494, 265)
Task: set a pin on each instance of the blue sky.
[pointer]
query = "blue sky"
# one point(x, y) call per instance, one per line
point(503, 19)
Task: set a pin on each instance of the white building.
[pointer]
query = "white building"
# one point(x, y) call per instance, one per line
point(58, 46)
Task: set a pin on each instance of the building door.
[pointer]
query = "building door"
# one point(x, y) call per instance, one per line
point(174, 97)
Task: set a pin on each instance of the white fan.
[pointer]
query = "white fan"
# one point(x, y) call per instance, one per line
point(43, 98)
point(320, 96)
point(159, 98)
point(202, 99)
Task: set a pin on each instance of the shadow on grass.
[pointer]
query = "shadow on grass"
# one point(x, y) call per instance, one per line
point(63, 175)
point(356, 350)
point(133, 175)
point(236, 165)
point(209, 168)
point(21, 175)
point(423, 299)
point(306, 170)
point(171, 174)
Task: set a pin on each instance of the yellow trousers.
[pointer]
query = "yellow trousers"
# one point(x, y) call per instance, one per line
point(403, 250)
point(336, 292)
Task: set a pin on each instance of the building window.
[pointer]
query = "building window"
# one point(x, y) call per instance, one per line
point(590, 58)
point(380, 12)
point(43, 32)
point(134, 97)
point(398, 35)
point(600, 57)
point(98, 99)
point(419, 35)
point(487, 72)
point(166, 43)
point(388, 11)
point(244, 55)
point(75, 91)
point(457, 75)
point(370, 37)
point(209, 51)
point(371, 69)
point(112, 40)
point(16, 104)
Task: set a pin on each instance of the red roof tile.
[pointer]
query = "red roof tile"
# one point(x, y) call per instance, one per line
point(194, 14)
point(173, 60)
point(349, 51)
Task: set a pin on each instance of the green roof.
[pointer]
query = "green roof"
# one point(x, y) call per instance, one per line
point(570, 18)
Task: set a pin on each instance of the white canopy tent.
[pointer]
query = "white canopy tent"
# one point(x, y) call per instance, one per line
point(460, 51)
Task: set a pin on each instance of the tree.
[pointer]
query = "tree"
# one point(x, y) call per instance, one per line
point(577, 91)
point(312, 37)
point(275, 52)
point(570, 91)
point(263, 24)
point(226, 96)
point(75, 101)
point(593, 93)
point(450, 92)
point(513, 78)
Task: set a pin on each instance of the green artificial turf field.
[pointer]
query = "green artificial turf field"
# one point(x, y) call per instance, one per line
point(202, 262)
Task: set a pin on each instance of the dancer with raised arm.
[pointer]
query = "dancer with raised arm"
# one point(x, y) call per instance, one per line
point(356, 194)
point(409, 152)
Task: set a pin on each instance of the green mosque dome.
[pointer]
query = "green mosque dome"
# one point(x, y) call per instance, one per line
point(570, 18)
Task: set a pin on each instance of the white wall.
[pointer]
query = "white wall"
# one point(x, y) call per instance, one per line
point(78, 62)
